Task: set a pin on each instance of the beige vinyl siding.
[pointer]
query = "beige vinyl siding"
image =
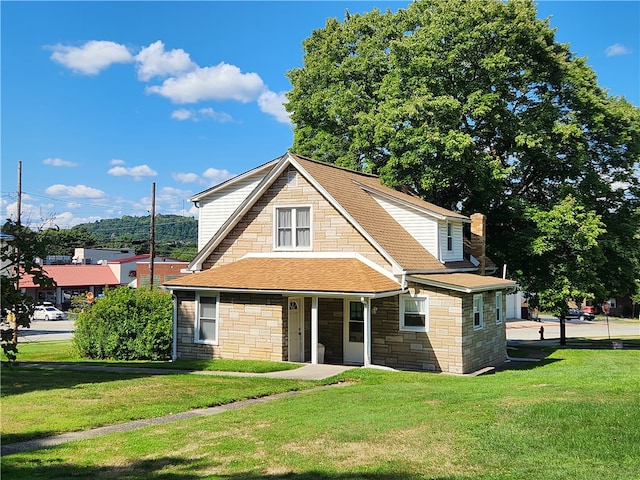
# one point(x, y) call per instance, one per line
point(217, 208)
point(421, 227)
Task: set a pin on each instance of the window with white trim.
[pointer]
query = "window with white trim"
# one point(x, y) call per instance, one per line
point(498, 308)
point(449, 237)
point(478, 321)
point(293, 228)
point(414, 313)
point(207, 319)
point(612, 303)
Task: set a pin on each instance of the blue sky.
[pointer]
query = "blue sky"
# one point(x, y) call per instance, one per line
point(101, 99)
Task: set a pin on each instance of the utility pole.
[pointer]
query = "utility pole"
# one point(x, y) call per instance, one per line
point(152, 234)
point(14, 337)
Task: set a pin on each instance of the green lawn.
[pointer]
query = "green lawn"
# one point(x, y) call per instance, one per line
point(575, 415)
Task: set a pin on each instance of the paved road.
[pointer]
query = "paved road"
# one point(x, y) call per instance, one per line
point(598, 328)
point(42, 330)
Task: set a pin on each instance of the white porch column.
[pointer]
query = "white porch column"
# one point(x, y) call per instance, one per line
point(59, 299)
point(314, 330)
point(367, 332)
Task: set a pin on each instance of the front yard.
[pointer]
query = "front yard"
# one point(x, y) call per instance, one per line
point(573, 415)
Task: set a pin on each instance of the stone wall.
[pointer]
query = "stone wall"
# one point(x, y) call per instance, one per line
point(251, 327)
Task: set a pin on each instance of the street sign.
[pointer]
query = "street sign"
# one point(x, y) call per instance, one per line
point(90, 297)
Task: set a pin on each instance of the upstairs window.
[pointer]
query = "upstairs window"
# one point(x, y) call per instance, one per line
point(293, 228)
point(449, 237)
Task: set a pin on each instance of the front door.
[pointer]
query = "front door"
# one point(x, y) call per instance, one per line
point(353, 332)
point(296, 329)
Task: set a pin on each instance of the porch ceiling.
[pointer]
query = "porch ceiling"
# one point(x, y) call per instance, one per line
point(331, 275)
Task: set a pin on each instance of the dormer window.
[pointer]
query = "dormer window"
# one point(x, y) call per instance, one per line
point(293, 228)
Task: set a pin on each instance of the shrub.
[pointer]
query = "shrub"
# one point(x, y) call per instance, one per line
point(126, 324)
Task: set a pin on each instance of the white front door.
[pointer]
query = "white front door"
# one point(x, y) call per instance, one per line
point(296, 329)
point(353, 332)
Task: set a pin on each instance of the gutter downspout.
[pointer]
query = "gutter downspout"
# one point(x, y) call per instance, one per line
point(174, 339)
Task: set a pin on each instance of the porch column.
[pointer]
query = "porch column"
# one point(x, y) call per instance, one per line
point(367, 332)
point(59, 299)
point(314, 330)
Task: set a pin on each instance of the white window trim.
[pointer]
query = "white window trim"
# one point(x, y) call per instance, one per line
point(499, 310)
point(196, 335)
point(403, 327)
point(480, 326)
point(449, 237)
point(293, 228)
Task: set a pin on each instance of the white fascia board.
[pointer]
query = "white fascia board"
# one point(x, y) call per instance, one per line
point(426, 211)
point(306, 293)
point(343, 212)
point(245, 206)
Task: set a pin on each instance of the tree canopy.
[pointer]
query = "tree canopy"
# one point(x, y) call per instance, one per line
point(477, 107)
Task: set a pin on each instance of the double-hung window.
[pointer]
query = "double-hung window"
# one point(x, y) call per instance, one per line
point(207, 319)
point(478, 321)
point(498, 308)
point(449, 237)
point(414, 313)
point(293, 228)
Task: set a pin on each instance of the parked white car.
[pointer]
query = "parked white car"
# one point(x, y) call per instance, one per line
point(48, 312)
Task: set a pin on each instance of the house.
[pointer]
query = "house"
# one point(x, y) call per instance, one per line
point(304, 261)
point(69, 280)
point(89, 256)
point(164, 269)
point(126, 269)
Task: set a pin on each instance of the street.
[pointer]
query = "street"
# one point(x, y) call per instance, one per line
point(598, 328)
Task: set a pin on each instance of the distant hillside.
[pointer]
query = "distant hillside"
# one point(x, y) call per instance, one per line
point(174, 235)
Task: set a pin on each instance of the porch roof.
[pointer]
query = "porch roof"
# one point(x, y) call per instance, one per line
point(321, 275)
point(464, 282)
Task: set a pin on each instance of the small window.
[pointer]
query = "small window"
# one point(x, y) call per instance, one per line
point(293, 228)
point(612, 303)
point(414, 314)
point(498, 308)
point(449, 237)
point(207, 320)
point(478, 321)
point(292, 178)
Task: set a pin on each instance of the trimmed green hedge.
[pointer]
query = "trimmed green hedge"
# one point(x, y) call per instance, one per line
point(126, 324)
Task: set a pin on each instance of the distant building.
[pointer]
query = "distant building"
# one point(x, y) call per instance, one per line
point(95, 256)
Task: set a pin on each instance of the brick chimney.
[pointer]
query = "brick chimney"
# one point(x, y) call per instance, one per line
point(479, 240)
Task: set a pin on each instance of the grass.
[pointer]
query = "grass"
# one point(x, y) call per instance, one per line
point(571, 415)
point(63, 352)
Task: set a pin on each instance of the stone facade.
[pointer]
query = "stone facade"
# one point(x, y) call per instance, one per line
point(253, 326)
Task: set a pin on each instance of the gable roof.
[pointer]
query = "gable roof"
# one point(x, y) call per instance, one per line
point(75, 276)
point(464, 282)
point(292, 274)
point(350, 192)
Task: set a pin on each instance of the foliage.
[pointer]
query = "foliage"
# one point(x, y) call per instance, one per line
point(171, 232)
point(126, 324)
point(20, 253)
point(477, 107)
point(65, 241)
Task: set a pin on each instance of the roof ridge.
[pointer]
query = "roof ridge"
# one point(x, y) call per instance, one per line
point(333, 165)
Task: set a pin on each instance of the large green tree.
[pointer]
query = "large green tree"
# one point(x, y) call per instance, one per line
point(477, 107)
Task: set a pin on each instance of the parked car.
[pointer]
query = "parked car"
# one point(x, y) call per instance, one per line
point(48, 312)
point(577, 314)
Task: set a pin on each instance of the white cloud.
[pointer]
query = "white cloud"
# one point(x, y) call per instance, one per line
point(154, 61)
point(617, 49)
point(185, 177)
point(216, 176)
point(273, 104)
point(58, 162)
point(182, 114)
point(92, 57)
point(117, 161)
point(77, 191)
point(202, 114)
point(221, 82)
point(136, 172)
